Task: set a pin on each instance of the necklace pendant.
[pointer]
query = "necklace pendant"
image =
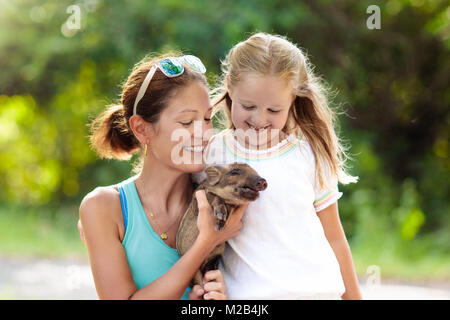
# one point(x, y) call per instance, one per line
point(164, 236)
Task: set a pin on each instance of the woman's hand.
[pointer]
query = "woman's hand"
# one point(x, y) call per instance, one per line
point(213, 287)
point(206, 222)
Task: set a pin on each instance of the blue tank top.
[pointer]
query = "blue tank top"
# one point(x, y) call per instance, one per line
point(149, 257)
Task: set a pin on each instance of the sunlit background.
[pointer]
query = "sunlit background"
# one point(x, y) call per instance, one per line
point(62, 62)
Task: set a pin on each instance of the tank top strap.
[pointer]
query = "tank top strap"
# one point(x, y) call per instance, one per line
point(126, 195)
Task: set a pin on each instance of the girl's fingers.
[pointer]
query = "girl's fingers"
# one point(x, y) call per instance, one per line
point(213, 275)
point(214, 295)
point(214, 286)
point(213, 281)
point(196, 292)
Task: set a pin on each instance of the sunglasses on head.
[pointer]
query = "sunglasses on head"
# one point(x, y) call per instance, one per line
point(171, 67)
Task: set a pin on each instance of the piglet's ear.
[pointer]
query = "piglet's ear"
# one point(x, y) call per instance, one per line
point(213, 174)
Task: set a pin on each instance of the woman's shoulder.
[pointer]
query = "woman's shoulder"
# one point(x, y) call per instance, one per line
point(102, 203)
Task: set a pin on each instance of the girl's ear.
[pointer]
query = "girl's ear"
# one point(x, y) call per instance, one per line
point(142, 129)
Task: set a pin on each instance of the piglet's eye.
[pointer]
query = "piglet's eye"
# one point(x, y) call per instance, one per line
point(234, 172)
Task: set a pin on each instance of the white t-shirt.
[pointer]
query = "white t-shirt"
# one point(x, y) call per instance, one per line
point(281, 251)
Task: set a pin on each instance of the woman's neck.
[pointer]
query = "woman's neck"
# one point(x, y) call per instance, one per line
point(163, 189)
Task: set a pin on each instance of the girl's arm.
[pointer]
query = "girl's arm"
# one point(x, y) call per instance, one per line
point(329, 217)
point(108, 259)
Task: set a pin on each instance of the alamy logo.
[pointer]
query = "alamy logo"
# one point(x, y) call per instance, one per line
point(74, 20)
point(374, 20)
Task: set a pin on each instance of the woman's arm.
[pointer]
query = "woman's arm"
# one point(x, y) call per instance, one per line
point(108, 260)
point(329, 217)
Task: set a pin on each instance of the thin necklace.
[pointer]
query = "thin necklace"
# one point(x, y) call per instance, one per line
point(163, 235)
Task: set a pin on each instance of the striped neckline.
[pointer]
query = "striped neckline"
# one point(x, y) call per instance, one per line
point(280, 149)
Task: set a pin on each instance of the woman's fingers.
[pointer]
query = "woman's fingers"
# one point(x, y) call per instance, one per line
point(202, 201)
point(238, 212)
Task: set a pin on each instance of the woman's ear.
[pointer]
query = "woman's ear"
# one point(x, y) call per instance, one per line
point(142, 129)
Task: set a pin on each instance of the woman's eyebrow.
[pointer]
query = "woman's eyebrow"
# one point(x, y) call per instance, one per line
point(188, 110)
point(193, 110)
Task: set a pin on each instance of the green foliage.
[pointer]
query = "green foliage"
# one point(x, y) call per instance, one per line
point(392, 84)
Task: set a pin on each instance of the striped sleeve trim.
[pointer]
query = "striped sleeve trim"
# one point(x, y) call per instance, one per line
point(327, 199)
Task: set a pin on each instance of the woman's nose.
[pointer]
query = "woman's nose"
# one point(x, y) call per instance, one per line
point(203, 131)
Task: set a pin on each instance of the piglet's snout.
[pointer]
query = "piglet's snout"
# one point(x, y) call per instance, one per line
point(260, 184)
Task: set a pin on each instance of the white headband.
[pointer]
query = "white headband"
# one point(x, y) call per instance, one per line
point(144, 87)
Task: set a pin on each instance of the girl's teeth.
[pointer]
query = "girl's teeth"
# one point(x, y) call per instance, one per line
point(257, 129)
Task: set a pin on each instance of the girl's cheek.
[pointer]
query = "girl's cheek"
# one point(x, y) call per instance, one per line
point(238, 116)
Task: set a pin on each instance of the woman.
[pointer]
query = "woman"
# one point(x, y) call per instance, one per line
point(130, 228)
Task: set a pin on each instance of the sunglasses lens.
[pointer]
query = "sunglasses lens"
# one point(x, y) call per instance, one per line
point(195, 63)
point(171, 67)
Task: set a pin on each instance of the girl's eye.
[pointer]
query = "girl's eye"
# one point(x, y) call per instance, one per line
point(273, 111)
point(248, 108)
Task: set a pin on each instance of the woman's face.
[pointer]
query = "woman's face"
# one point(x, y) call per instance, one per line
point(183, 130)
point(260, 107)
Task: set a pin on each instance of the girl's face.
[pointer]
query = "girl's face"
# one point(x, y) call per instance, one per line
point(260, 107)
point(183, 130)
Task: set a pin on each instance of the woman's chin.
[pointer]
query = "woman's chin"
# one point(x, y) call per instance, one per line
point(194, 168)
point(191, 168)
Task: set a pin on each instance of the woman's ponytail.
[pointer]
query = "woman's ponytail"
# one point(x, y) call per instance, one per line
point(111, 136)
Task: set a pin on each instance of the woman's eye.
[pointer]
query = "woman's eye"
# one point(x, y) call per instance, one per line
point(186, 123)
point(273, 111)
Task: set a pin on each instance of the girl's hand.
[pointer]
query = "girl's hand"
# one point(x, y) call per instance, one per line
point(213, 287)
point(206, 222)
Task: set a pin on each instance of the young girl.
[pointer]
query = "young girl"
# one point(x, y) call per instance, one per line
point(292, 245)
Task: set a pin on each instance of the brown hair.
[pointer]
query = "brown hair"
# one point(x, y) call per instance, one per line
point(111, 135)
point(310, 114)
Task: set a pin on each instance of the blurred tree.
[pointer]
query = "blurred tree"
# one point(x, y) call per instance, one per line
point(392, 84)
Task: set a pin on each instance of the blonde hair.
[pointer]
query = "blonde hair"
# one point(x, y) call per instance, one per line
point(310, 115)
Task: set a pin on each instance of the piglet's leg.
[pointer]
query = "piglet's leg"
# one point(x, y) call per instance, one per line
point(220, 212)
